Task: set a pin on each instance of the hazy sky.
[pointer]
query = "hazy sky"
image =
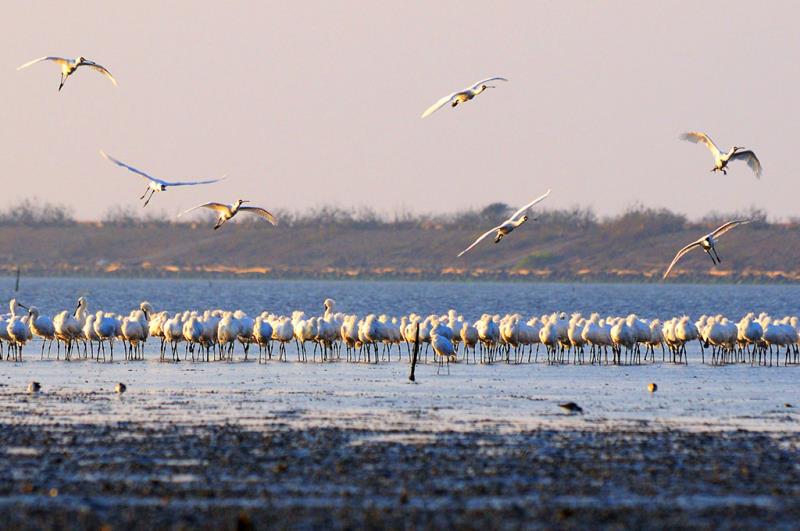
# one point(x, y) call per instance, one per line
point(303, 104)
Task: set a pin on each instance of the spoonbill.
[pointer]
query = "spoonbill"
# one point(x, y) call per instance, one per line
point(721, 160)
point(502, 230)
point(463, 95)
point(154, 184)
point(69, 66)
point(226, 212)
point(708, 243)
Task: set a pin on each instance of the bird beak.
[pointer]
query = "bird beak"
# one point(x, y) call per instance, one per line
point(22, 305)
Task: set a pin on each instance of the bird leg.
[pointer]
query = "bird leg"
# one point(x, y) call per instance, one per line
point(61, 84)
point(152, 193)
point(712, 257)
point(719, 260)
point(147, 189)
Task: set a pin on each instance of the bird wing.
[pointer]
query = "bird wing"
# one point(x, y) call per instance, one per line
point(529, 205)
point(131, 168)
point(439, 104)
point(703, 138)
point(750, 158)
point(728, 226)
point(261, 212)
point(191, 183)
point(488, 79)
point(680, 255)
point(481, 237)
point(100, 68)
point(219, 207)
point(59, 60)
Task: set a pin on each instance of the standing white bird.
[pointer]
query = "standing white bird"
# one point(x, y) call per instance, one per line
point(516, 219)
point(154, 184)
point(461, 96)
point(226, 212)
point(708, 243)
point(721, 160)
point(69, 66)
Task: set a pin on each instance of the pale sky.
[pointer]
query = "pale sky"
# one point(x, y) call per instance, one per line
point(306, 104)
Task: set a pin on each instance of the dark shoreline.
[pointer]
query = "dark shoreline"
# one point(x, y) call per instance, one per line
point(135, 476)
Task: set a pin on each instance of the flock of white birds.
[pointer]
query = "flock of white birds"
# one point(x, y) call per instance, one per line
point(511, 338)
point(227, 211)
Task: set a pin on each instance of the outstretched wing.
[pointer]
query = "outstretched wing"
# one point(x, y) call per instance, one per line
point(59, 60)
point(439, 104)
point(192, 183)
point(476, 242)
point(728, 226)
point(529, 205)
point(750, 158)
point(260, 212)
point(487, 80)
point(100, 68)
point(680, 255)
point(702, 138)
point(219, 207)
point(131, 168)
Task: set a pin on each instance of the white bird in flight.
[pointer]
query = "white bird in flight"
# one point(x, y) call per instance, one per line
point(462, 95)
point(154, 184)
point(516, 219)
point(226, 212)
point(721, 160)
point(69, 66)
point(708, 243)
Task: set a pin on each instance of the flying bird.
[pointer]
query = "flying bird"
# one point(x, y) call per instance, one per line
point(721, 160)
point(708, 243)
point(462, 95)
point(155, 184)
point(226, 212)
point(502, 230)
point(69, 66)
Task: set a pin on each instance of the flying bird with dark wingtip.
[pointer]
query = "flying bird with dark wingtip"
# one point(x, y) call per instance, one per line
point(226, 212)
point(708, 243)
point(502, 230)
point(69, 66)
point(462, 96)
point(154, 184)
point(721, 160)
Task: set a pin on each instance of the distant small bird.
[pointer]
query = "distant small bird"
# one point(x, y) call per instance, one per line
point(721, 160)
point(652, 387)
point(120, 388)
point(708, 243)
point(34, 387)
point(508, 225)
point(226, 212)
point(461, 96)
point(69, 66)
point(155, 184)
point(571, 407)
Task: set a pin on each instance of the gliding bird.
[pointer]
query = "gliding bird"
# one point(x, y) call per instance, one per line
point(708, 243)
point(508, 225)
point(155, 184)
point(226, 212)
point(721, 160)
point(69, 66)
point(462, 95)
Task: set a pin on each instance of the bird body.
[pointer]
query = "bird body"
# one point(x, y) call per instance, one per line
point(707, 243)
point(501, 231)
point(226, 212)
point(721, 159)
point(461, 96)
point(69, 66)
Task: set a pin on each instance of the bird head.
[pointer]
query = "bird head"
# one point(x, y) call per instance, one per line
point(80, 59)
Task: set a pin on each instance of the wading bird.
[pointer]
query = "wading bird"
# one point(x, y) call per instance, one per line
point(708, 243)
point(69, 66)
point(155, 184)
point(516, 219)
point(462, 95)
point(226, 212)
point(721, 160)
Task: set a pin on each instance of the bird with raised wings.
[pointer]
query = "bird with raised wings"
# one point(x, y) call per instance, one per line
point(501, 231)
point(154, 184)
point(708, 243)
point(69, 66)
point(461, 96)
point(721, 160)
point(226, 212)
